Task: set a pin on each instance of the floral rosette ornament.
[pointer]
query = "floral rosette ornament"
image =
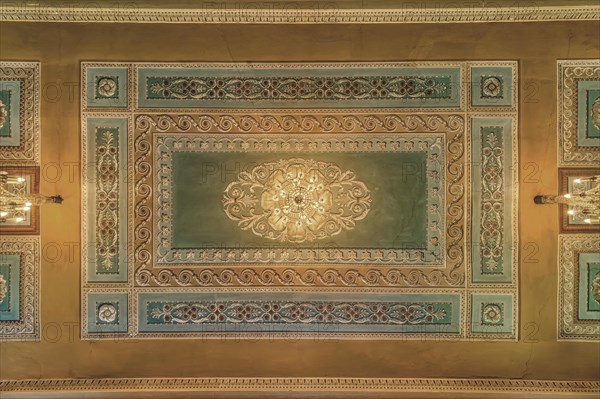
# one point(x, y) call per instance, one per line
point(297, 200)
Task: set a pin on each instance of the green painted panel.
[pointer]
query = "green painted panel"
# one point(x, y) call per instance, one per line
point(397, 216)
point(592, 130)
point(592, 303)
point(5, 273)
point(5, 98)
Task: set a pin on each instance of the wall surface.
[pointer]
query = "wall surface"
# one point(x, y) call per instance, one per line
point(61, 48)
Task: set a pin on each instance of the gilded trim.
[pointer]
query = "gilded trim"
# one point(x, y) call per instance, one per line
point(327, 14)
point(290, 387)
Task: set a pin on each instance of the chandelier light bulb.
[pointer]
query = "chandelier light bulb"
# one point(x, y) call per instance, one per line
point(18, 220)
point(567, 195)
point(577, 181)
point(3, 214)
point(20, 179)
point(26, 208)
point(587, 220)
point(28, 204)
point(571, 212)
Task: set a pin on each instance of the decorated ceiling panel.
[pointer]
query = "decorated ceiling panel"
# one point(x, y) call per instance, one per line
point(579, 158)
point(19, 235)
point(352, 200)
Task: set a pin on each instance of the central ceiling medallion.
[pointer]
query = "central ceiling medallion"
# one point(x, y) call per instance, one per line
point(297, 200)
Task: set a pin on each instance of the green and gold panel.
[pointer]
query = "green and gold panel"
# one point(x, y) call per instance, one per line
point(376, 85)
point(493, 199)
point(579, 112)
point(249, 199)
point(300, 208)
point(106, 86)
point(105, 194)
point(579, 287)
point(106, 311)
point(19, 113)
point(493, 86)
point(302, 199)
point(19, 288)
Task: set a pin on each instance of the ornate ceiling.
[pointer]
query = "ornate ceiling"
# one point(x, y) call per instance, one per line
point(369, 222)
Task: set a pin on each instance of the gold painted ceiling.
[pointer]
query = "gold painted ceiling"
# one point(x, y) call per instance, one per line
point(539, 348)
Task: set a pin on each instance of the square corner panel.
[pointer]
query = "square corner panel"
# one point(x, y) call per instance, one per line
point(19, 112)
point(579, 112)
point(331, 214)
point(106, 86)
point(19, 288)
point(579, 287)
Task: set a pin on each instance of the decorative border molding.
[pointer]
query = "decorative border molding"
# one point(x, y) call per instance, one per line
point(165, 145)
point(569, 74)
point(147, 126)
point(291, 387)
point(27, 152)
point(145, 276)
point(129, 13)
point(570, 328)
point(28, 326)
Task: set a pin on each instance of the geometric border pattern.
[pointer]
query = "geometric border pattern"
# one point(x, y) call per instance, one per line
point(570, 74)
point(570, 327)
point(299, 14)
point(292, 387)
point(149, 287)
point(320, 121)
point(27, 150)
point(27, 327)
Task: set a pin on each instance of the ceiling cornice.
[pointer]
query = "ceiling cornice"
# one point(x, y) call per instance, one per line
point(296, 13)
point(291, 387)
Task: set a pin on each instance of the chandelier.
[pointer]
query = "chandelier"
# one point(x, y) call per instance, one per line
point(15, 202)
point(583, 202)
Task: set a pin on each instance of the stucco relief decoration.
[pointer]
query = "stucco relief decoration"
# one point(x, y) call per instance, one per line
point(578, 112)
point(107, 313)
point(297, 200)
point(492, 202)
point(596, 113)
point(579, 287)
point(19, 113)
point(3, 288)
point(107, 191)
point(492, 87)
point(298, 312)
point(3, 113)
point(107, 87)
point(492, 314)
point(270, 199)
point(596, 287)
point(291, 88)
